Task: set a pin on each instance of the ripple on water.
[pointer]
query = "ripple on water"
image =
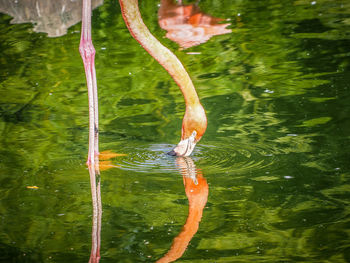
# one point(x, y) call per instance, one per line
point(235, 157)
point(148, 158)
point(214, 158)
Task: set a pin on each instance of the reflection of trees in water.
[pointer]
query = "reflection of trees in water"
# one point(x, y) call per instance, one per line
point(53, 17)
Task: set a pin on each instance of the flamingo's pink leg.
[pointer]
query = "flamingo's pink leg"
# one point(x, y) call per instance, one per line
point(87, 52)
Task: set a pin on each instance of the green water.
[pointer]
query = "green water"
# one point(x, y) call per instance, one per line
point(275, 155)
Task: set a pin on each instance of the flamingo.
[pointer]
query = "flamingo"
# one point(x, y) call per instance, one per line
point(194, 122)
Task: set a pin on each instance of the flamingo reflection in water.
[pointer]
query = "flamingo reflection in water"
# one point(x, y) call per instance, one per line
point(103, 163)
point(197, 190)
point(187, 25)
point(95, 184)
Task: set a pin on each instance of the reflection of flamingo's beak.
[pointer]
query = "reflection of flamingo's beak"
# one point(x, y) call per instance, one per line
point(185, 146)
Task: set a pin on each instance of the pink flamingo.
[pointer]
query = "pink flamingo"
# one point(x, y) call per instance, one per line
point(194, 122)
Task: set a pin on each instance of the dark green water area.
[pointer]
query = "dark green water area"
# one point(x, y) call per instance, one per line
point(275, 155)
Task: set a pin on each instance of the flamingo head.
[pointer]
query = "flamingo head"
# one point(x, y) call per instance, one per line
point(194, 125)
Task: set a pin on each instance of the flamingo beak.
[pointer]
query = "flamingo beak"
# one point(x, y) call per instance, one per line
point(185, 146)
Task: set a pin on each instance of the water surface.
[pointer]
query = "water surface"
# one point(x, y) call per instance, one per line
point(275, 155)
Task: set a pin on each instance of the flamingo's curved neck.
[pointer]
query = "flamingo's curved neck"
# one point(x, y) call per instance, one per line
point(164, 56)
